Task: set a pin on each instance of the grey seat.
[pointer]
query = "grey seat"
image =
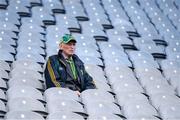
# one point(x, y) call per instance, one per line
point(30, 49)
point(27, 104)
point(27, 64)
point(144, 58)
point(138, 109)
point(8, 26)
point(125, 86)
point(93, 70)
point(118, 73)
point(87, 52)
point(170, 111)
point(174, 56)
point(117, 32)
point(177, 3)
point(3, 109)
point(155, 88)
point(178, 89)
point(24, 91)
point(102, 85)
point(30, 56)
point(7, 48)
point(75, 9)
point(148, 72)
point(98, 95)
point(145, 63)
point(26, 72)
point(8, 33)
point(4, 74)
point(3, 4)
point(59, 105)
point(21, 7)
point(110, 46)
point(23, 115)
point(26, 81)
point(148, 80)
point(35, 2)
point(125, 97)
point(171, 72)
point(55, 6)
point(64, 115)
point(4, 65)
point(31, 20)
point(60, 93)
point(42, 14)
point(120, 40)
point(3, 84)
point(32, 35)
point(91, 60)
point(32, 27)
point(9, 16)
point(122, 59)
point(163, 98)
point(101, 107)
point(28, 41)
point(104, 117)
point(151, 48)
point(86, 39)
point(5, 39)
point(67, 21)
point(2, 96)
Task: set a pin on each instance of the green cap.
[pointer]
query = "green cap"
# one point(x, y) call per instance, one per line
point(67, 38)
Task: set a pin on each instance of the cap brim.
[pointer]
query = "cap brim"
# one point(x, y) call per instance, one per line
point(69, 40)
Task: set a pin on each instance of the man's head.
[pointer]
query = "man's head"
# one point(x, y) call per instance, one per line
point(67, 45)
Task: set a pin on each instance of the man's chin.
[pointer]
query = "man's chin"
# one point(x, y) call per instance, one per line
point(71, 54)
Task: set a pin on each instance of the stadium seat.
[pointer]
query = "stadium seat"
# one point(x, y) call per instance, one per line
point(59, 105)
point(104, 117)
point(124, 98)
point(101, 107)
point(4, 65)
point(64, 115)
point(3, 84)
point(26, 81)
point(55, 92)
point(23, 115)
point(2, 96)
point(129, 47)
point(138, 109)
point(4, 74)
point(3, 109)
point(27, 104)
point(98, 95)
point(24, 91)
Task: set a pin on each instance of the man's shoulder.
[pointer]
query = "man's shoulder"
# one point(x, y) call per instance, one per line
point(78, 59)
point(53, 57)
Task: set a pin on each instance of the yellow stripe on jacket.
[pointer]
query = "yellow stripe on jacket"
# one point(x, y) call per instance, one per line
point(52, 75)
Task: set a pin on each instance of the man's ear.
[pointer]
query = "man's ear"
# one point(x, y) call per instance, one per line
point(60, 46)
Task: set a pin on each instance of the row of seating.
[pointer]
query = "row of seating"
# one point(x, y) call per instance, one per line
point(133, 45)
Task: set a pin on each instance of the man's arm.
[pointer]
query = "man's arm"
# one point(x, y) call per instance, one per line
point(89, 83)
point(51, 75)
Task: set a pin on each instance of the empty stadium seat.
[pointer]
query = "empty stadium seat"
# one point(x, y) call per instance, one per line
point(129, 47)
point(64, 115)
point(23, 115)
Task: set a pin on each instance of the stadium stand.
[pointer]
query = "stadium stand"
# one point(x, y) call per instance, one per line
point(130, 47)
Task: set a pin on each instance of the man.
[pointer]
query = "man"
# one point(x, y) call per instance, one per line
point(66, 69)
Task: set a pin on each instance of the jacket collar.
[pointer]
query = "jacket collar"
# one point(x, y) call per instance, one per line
point(75, 58)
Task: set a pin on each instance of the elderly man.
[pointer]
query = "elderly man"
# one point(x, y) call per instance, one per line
point(66, 69)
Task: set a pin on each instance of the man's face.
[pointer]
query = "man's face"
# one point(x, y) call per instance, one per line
point(68, 48)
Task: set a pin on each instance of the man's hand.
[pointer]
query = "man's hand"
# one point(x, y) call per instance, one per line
point(78, 93)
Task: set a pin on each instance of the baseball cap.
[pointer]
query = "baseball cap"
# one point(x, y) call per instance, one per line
point(67, 38)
